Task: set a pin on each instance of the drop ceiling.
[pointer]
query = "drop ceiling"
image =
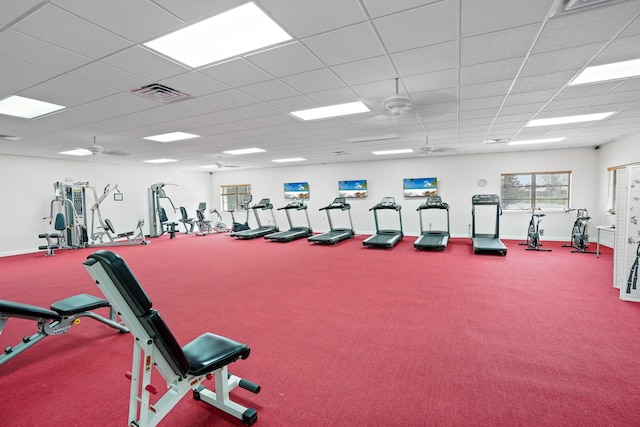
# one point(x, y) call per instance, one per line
point(474, 70)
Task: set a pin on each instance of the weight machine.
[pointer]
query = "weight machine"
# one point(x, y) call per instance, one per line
point(158, 221)
point(67, 212)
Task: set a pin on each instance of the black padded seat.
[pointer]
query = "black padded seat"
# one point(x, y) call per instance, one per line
point(209, 352)
point(27, 311)
point(78, 303)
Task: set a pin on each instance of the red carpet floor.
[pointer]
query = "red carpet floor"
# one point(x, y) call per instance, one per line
point(346, 336)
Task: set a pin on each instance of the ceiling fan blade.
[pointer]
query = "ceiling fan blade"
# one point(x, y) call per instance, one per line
point(115, 153)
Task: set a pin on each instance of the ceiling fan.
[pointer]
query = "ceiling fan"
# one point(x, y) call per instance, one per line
point(99, 150)
point(429, 149)
point(393, 106)
point(221, 164)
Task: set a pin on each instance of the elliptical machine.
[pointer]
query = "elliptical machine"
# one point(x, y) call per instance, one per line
point(242, 205)
point(579, 232)
point(534, 232)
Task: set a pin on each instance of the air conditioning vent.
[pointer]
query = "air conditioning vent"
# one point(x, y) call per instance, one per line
point(160, 93)
point(570, 6)
point(497, 141)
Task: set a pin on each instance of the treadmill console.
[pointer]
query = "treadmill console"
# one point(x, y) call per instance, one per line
point(296, 204)
point(485, 199)
point(434, 202)
point(387, 203)
point(263, 204)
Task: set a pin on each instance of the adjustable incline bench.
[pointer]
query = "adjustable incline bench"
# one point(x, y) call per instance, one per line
point(183, 368)
point(58, 320)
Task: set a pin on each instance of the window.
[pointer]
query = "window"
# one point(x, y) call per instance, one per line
point(544, 190)
point(232, 195)
point(613, 184)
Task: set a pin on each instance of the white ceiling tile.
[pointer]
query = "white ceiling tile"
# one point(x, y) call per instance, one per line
point(11, 10)
point(58, 27)
point(377, 8)
point(506, 69)
point(487, 16)
point(428, 25)
point(109, 15)
point(573, 58)
point(484, 90)
point(236, 73)
point(505, 44)
point(534, 97)
point(269, 90)
point(365, 71)
point(542, 81)
point(142, 62)
point(622, 49)
point(10, 87)
point(427, 59)
point(292, 58)
point(23, 71)
point(591, 26)
point(230, 98)
point(346, 44)
point(33, 51)
point(106, 75)
point(303, 18)
point(436, 80)
point(313, 81)
point(195, 9)
point(332, 96)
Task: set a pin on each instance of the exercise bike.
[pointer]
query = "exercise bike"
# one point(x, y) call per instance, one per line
point(220, 225)
point(534, 232)
point(242, 205)
point(579, 232)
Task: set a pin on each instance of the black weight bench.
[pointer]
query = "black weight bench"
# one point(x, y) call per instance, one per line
point(55, 321)
point(183, 368)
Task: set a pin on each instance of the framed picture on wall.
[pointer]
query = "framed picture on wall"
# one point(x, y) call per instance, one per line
point(296, 190)
point(420, 187)
point(353, 188)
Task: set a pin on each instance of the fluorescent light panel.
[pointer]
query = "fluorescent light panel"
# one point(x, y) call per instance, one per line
point(234, 32)
point(245, 151)
point(332, 111)
point(402, 151)
point(535, 141)
point(614, 71)
point(292, 159)
point(27, 108)
point(172, 136)
point(76, 152)
point(569, 119)
point(160, 161)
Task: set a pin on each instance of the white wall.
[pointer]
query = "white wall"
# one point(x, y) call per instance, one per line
point(617, 153)
point(29, 190)
point(457, 183)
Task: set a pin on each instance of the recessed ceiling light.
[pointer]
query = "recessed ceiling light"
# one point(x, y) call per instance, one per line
point(402, 151)
point(77, 152)
point(172, 136)
point(614, 71)
point(27, 108)
point(569, 119)
point(332, 111)
point(234, 32)
point(245, 151)
point(292, 159)
point(160, 161)
point(535, 141)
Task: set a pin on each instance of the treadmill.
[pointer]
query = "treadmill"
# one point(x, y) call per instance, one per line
point(293, 233)
point(385, 238)
point(432, 239)
point(488, 242)
point(335, 235)
point(261, 230)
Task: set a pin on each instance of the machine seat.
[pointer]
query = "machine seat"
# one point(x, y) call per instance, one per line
point(78, 303)
point(209, 352)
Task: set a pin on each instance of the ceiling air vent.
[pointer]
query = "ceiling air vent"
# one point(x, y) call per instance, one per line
point(497, 141)
point(570, 6)
point(160, 93)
